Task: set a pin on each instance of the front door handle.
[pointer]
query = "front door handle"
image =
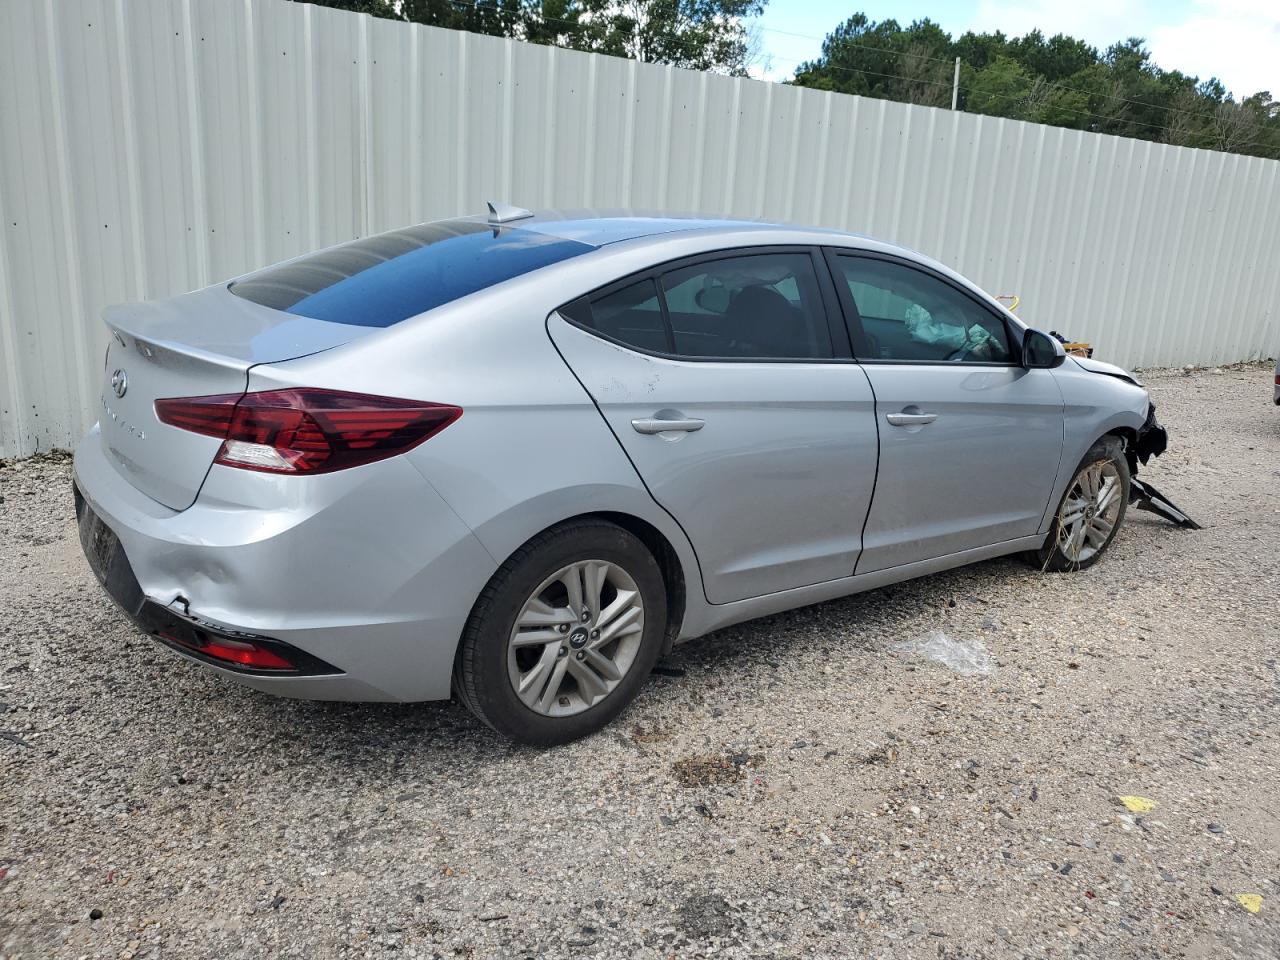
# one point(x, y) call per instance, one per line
point(910, 419)
point(658, 425)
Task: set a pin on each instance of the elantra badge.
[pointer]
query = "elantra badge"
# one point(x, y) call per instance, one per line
point(124, 425)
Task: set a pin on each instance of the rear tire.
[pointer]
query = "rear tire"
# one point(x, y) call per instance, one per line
point(1091, 511)
point(564, 634)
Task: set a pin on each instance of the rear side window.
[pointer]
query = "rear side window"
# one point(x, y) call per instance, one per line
point(765, 306)
point(381, 280)
point(633, 316)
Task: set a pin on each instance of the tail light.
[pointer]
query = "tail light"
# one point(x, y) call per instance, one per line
point(242, 653)
point(304, 430)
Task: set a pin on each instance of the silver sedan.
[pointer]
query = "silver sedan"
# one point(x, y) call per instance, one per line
point(517, 457)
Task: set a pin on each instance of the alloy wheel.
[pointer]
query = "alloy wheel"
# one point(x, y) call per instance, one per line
point(1090, 511)
point(575, 638)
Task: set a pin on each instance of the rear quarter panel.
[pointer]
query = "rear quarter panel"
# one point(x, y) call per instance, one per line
point(530, 449)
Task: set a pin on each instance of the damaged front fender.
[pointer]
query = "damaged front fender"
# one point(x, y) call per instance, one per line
point(1153, 440)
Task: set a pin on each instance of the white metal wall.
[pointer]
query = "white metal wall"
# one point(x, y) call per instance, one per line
point(148, 147)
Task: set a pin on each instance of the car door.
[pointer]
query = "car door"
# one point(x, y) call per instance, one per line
point(969, 439)
point(727, 379)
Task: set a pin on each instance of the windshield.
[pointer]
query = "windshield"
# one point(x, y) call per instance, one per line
point(379, 281)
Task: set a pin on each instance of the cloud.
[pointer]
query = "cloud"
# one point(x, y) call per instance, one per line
point(1100, 22)
point(1238, 41)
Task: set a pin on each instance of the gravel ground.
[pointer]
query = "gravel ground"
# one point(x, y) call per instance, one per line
point(800, 790)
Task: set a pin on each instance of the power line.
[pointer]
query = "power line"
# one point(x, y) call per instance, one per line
point(1013, 98)
point(477, 6)
point(1056, 84)
point(948, 61)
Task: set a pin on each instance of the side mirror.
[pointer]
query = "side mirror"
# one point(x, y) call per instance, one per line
point(1041, 351)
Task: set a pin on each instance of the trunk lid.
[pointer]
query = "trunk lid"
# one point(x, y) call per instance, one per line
point(198, 344)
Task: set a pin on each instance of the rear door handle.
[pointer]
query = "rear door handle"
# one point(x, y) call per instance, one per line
point(657, 425)
point(910, 419)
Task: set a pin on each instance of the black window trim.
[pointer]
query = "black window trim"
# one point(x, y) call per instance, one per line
point(841, 348)
point(853, 320)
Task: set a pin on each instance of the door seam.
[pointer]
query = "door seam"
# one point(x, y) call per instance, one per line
point(702, 582)
point(875, 480)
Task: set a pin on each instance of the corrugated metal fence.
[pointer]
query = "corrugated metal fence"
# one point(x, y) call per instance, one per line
point(148, 147)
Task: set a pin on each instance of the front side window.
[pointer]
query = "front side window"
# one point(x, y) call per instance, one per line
point(906, 314)
point(762, 306)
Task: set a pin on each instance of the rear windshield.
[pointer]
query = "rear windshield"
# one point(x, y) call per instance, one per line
point(382, 280)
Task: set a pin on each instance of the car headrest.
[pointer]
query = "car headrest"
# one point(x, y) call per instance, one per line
point(763, 316)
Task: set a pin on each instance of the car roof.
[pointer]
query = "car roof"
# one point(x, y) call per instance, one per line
point(601, 227)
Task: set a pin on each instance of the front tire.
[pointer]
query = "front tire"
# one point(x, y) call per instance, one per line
point(1091, 511)
point(564, 634)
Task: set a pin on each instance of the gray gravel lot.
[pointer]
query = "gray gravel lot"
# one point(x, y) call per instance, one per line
point(800, 790)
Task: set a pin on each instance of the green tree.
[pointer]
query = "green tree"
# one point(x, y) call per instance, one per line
point(699, 34)
point(1056, 59)
point(859, 56)
point(979, 50)
point(999, 89)
point(499, 18)
point(1060, 80)
point(1055, 105)
point(378, 8)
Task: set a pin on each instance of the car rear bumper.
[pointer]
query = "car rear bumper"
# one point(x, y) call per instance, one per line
point(367, 572)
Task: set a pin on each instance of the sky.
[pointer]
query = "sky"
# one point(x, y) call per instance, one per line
point(1237, 41)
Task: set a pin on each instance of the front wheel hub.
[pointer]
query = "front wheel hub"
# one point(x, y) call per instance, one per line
point(1090, 511)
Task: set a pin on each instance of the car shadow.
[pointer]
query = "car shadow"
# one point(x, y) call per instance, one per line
point(445, 733)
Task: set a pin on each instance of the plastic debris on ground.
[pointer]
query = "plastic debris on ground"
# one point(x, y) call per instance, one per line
point(1137, 804)
point(1250, 901)
point(971, 658)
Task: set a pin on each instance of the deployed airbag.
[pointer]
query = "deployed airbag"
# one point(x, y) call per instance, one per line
point(975, 342)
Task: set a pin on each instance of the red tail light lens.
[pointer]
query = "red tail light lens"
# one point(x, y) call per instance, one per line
point(234, 651)
point(305, 430)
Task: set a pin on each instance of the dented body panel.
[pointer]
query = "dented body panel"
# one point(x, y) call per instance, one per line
point(1093, 405)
